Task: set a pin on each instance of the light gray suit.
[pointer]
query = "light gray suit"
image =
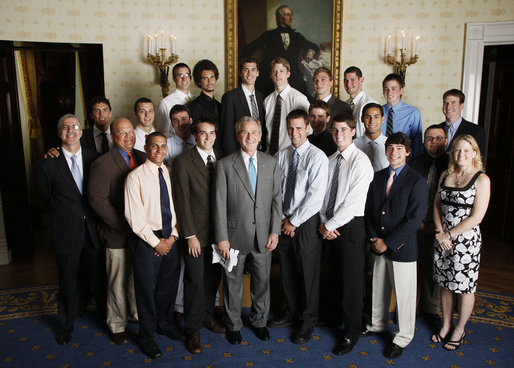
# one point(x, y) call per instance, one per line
point(246, 221)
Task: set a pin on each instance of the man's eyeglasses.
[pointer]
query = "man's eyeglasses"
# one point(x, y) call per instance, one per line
point(437, 139)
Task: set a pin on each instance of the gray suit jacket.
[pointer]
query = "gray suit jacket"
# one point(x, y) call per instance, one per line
point(239, 216)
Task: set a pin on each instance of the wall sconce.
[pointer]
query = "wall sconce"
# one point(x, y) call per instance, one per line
point(156, 54)
point(400, 67)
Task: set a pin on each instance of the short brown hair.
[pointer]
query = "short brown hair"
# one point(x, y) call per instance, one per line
point(280, 60)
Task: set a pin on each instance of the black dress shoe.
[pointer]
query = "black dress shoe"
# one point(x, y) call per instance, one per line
point(344, 346)
point(234, 337)
point(303, 335)
point(393, 351)
point(193, 343)
point(63, 336)
point(120, 338)
point(261, 332)
point(282, 321)
point(174, 333)
point(151, 349)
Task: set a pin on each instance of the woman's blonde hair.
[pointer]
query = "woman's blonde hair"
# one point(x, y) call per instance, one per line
point(477, 161)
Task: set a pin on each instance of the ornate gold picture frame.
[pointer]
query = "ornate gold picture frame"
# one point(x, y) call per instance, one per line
point(232, 44)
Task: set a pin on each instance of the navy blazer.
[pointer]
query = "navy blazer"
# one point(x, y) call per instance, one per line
point(467, 127)
point(68, 207)
point(233, 107)
point(397, 218)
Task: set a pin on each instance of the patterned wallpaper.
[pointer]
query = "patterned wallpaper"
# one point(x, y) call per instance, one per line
point(120, 26)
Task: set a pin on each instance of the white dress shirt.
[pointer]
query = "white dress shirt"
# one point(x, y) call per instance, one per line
point(162, 120)
point(204, 155)
point(247, 93)
point(143, 202)
point(361, 100)
point(141, 138)
point(176, 146)
point(310, 183)
point(97, 135)
point(246, 159)
point(80, 164)
point(355, 175)
point(374, 149)
point(291, 99)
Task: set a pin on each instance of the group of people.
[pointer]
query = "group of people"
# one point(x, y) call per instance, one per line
point(139, 213)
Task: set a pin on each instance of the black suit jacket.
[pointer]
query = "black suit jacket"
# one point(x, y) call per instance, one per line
point(87, 140)
point(192, 195)
point(106, 188)
point(233, 107)
point(68, 207)
point(397, 218)
point(338, 107)
point(467, 127)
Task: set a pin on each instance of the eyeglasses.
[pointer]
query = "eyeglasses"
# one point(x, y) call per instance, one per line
point(437, 139)
point(69, 128)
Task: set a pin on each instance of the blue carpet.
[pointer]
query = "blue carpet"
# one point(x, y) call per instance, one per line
point(27, 322)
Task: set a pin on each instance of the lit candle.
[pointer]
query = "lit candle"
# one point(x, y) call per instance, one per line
point(148, 46)
point(403, 40)
point(416, 45)
point(389, 45)
point(162, 39)
point(155, 44)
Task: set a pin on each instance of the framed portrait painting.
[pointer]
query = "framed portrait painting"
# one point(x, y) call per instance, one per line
point(304, 32)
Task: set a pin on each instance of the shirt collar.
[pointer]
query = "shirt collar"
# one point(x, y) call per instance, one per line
point(397, 170)
point(204, 154)
point(68, 154)
point(347, 151)
point(153, 167)
point(284, 92)
point(455, 124)
point(97, 131)
point(302, 149)
point(246, 91)
point(327, 98)
point(380, 139)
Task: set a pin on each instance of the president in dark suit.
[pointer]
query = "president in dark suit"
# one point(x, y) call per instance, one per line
point(247, 217)
point(284, 42)
point(193, 191)
point(242, 101)
point(395, 206)
point(106, 185)
point(62, 185)
point(455, 124)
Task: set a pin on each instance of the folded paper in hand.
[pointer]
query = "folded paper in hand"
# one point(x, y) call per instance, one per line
point(225, 263)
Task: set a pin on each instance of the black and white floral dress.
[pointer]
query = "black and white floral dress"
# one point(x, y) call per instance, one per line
point(456, 269)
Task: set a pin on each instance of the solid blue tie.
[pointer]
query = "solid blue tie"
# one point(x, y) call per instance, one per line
point(75, 171)
point(165, 206)
point(291, 181)
point(252, 173)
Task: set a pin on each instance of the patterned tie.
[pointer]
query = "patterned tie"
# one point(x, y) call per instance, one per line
point(432, 188)
point(291, 181)
point(105, 143)
point(389, 183)
point(255, 110)
point(252, 174)
point(352, 105)
point(210, 165)
point(165, 206)
point(75, 171)
point(132, 162)
point(275, 130)
point(333, 188)
point(390, 117)
point(188, 99)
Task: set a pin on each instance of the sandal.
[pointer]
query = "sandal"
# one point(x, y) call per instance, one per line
point(437, 338)
point(454, 344)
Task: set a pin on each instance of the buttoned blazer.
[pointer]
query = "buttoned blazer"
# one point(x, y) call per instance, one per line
point(240, 216)
point(397, 218)
point(233, 107)
point(106, 187)
point(474, 130)
point(192, 195)
point(68, 207)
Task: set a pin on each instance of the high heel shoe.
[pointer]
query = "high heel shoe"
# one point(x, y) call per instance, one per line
point(454, 345)
point(437, 338)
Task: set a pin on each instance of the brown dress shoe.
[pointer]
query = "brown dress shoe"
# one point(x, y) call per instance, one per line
point(120, 338)
point(214, 326)
point(193, 343)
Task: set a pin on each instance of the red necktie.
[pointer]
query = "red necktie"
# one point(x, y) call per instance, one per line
point(132, 163)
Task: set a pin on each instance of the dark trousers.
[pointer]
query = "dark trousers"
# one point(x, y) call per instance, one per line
point(156, 282)
point(428, 296)
point(300, 258)
point(80, 275)
point(347, 254)
point(201, 282)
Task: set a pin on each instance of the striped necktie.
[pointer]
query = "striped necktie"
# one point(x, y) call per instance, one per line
point(390, 117)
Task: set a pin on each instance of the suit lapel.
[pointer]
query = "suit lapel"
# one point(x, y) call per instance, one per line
point(240, 168)
point(198, 162)
point(243, 101)
point(64, 170)
point(398, 182)
point(119, 160)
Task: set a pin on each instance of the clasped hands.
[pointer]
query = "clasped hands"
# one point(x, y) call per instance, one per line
point(444, 239)
point(164, 246)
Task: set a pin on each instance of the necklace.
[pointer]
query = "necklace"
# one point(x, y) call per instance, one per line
point(463, 176)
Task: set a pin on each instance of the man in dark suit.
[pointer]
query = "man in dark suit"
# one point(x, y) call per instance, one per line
point(284, 42)
point(62, 184)
point(396, 204)
point(106, 184)
point(98, 137)
point(455, 124)
point(242, 101)
point(323, 83)
point(247, 217)
point(193, 190)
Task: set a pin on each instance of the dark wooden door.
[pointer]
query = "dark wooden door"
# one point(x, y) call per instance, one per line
point(497, 117)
